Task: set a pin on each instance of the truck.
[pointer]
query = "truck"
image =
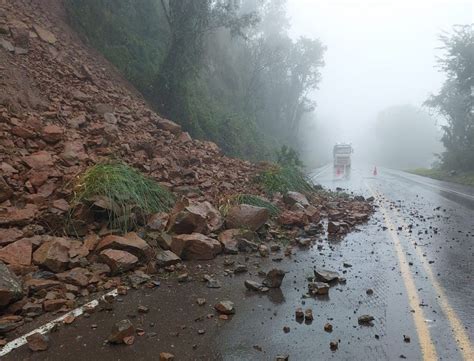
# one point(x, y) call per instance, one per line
point(342, 157)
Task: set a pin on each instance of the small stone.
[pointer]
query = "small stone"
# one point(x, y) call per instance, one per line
point(333, 345)
point(38, 342)
point(328, 327)
point(240, 268)
point(286, 329)
point(365, 320)
point(201, 301)
point(282, 358)
point(406, 338)
point(308, 315)
point(121, 332)
point(325, 275)
point(225, 307)
point(143, 309)
point(166, 356)
point(318, 288)
point(253, 286)
point(274, 278)
point(183, 277)
point(370, 291)
point(299, 314)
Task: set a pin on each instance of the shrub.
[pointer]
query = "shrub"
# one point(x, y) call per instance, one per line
point(284, 179)
point(125, 191)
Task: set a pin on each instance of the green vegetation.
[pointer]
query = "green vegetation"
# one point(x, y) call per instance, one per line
point(455, 100)
point(123, 191)
point(258, 202)
point(283, 180)
point(466, 178)
point(227, 71)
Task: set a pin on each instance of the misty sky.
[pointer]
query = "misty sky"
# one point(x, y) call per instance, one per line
point(380, 52)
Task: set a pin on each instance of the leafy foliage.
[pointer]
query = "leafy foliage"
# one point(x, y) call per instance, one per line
point(225, 70)
point(123, 190)
point(284, 179)
point(455, 101)
point(289, 157)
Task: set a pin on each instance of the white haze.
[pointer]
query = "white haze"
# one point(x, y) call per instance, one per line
point(379, 53)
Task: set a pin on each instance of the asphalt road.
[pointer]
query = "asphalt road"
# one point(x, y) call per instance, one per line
point(416, 254)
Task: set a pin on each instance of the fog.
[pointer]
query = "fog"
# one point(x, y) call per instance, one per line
point(380, 53)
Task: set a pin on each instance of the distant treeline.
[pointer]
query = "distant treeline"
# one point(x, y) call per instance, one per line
point(225, 70)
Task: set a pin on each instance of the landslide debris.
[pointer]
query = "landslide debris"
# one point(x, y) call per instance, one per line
point(98, 192)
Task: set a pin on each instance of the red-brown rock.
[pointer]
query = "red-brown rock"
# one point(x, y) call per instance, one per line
point(9, 235)
point(195, 246)
point(5, 191)
point(118, 261)
point(52, 133)
point(77, 276)
point(168, 125)
point(247, 216)
point(17, 253)
point(39, 160)
point(37, 342)
point(131, 243)
point(53, 254)
point(293, 218)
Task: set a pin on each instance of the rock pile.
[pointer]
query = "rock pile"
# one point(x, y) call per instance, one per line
point(63, 109)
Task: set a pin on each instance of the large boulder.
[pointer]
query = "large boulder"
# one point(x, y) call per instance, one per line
point(118, 261)
point(10, 286)
point(195, 246)
point(189, 218)
point(292, 198)
point(53, 254)
point(131, 243)
point(17, 253)
point(168, 125)
point(247, 216)
point(293, 218)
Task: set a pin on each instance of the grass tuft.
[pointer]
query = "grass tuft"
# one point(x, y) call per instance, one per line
point(283, 180)
point(123, 190)
point(250, 199)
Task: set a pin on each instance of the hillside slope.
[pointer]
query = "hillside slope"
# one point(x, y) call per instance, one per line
point(63, 107)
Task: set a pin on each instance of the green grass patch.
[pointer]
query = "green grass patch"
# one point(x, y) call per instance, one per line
point(123, 191)
point(283, 180)
point(466, 178)
point(258, 202)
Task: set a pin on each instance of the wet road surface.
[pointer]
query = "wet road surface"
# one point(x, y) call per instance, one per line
point(416, 254)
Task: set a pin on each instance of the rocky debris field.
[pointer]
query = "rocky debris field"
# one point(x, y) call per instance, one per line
point(63, 109)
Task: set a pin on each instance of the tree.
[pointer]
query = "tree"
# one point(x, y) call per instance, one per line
point(190, 22)
point(456, 98)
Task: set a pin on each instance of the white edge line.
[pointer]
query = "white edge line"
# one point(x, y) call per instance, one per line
point(20, 341)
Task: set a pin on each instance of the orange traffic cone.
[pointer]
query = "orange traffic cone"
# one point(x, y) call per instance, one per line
point(375, 170)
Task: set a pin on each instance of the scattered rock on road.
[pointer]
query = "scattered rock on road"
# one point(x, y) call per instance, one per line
point(225, 307)
point(325, 275)
point(274, 278)
point(366, 320)
point(121, 332)
point(38, 342)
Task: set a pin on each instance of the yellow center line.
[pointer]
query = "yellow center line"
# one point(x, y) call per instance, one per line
point(458, 329)
point(428, 350)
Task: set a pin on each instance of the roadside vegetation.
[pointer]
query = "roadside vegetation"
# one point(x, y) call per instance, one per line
point(226, 71)
point(466, 178)
point(121, 192)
